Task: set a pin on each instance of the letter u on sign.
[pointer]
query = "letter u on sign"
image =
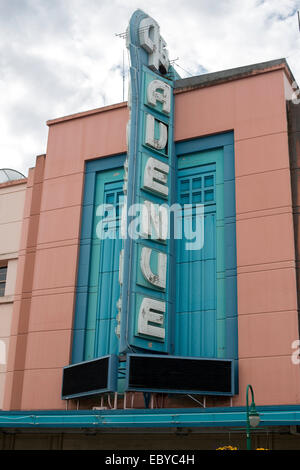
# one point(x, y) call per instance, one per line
point(160, 142)
point(158, 279)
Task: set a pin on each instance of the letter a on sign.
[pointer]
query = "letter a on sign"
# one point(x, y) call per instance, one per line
point(159, 91)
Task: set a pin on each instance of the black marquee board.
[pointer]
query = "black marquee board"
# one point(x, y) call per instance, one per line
point(90, 377)
point(173, 374)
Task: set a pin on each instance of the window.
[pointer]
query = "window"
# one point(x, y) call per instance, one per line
point(196, 307)
point(98, 288)
point(3, 273)
point(206, 305)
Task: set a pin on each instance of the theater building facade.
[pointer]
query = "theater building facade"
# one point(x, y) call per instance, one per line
point(157, 266)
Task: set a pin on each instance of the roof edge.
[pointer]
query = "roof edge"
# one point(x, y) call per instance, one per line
point(90, 112)
point(237, 73)
point(13, 183)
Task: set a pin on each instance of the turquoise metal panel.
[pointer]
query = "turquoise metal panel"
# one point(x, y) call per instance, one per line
point(233, 417)
point(195, 322)
point(86, 326)
point(219, 149)
point(103, 303)
point(106, 338)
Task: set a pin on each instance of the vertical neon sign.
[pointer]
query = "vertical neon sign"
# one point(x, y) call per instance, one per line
point(146, 302)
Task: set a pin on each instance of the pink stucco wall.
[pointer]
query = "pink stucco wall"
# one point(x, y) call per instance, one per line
point(254, 108)
point(12, 197)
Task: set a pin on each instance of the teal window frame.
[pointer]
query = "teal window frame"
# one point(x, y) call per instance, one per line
point(226, 234)
point(190, 153)
point(81, 334)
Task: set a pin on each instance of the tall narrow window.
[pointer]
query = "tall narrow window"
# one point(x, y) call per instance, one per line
point(196, 268)
point(98, 281)
point(206, 278)
point(108, 288)
point(3, 274)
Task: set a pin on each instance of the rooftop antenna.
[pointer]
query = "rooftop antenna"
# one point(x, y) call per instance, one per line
point(123, 75)
point(123, 36)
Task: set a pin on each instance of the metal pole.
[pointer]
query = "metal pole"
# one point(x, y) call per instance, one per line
point(123, 73)
point(248, 427)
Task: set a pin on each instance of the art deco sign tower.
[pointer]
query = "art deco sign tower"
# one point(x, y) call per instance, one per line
point(146, 303)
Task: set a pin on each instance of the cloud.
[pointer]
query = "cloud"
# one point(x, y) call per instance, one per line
point(63, 56)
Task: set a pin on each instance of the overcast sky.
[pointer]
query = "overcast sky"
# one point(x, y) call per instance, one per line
point(59, 57)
